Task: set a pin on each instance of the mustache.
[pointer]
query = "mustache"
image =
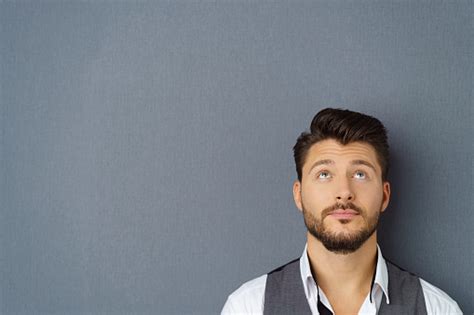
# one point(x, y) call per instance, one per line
point(349, 205)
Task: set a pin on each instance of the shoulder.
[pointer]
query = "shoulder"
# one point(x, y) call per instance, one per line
point(437, 301)
point(248, 298)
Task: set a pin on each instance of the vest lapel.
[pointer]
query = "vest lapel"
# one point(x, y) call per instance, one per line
point(406, 293)
point(284, 292)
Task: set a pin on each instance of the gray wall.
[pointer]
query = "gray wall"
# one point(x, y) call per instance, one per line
point(146, 158)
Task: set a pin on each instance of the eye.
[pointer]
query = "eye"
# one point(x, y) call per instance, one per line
point(360, 175)
point(323, 175)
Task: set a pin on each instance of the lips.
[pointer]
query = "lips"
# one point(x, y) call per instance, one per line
point(344, 214)
point(341, 211)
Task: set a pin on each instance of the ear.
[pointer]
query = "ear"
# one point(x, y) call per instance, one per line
point(386, 195)
point(297, 194)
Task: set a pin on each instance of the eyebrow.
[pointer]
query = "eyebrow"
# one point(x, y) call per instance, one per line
point(353, 162)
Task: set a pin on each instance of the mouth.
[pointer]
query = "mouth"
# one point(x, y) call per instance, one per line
point(343, 214)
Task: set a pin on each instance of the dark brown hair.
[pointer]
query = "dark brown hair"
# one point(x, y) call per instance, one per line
point(345, 126)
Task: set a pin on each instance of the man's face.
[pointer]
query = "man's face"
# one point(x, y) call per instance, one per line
point(341, 194)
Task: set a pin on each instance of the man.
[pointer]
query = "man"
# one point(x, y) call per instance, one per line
point(342, 189)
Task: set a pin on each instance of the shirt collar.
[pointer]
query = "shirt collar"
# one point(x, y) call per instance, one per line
point(381, 273)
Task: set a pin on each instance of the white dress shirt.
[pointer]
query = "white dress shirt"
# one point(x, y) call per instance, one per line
point(249, 297)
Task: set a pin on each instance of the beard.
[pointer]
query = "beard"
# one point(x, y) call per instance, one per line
point(342, 242)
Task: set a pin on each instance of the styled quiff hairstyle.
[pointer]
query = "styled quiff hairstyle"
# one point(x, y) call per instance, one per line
point(345, 126)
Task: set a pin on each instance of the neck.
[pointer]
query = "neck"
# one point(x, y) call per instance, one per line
point(336, 272)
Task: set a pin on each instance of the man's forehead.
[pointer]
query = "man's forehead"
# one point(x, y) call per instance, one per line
point(331, 146)
point(331, 149)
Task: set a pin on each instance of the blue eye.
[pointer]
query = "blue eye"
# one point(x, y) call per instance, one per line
point(325, 175)
point(363, 176)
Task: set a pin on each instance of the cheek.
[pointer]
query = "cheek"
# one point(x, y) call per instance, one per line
point(371, 196)
point(316, 196)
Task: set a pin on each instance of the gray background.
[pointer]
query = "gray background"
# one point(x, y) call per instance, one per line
point(146, 158)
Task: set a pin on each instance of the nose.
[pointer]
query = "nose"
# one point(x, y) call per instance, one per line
point(344, 192)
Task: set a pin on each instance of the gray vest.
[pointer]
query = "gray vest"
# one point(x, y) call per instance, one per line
point(284, 292)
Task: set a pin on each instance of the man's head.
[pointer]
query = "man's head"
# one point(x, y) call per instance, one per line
point(342, 187)
point(345, 126)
